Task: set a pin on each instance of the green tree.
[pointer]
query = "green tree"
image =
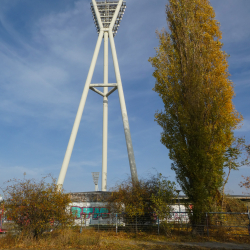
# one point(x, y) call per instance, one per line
point(149, 196)
point(36, 206)
point(192, 79)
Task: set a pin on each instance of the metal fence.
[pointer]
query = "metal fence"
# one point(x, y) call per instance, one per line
point(213, 224)
point(227, 223)
point(119, 222)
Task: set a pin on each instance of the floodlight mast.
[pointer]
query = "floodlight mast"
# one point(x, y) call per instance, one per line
point(107, 16)
point(95, 176)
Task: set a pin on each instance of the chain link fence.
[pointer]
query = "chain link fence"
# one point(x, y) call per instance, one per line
point(213, 224)
point(227, 223)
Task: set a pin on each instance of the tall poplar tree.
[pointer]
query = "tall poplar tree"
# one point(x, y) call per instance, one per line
point(199, 117)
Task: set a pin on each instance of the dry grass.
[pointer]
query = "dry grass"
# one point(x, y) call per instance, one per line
point(60, 239)
point(90, 239)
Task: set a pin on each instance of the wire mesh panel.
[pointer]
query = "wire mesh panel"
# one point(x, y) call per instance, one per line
point(212, 224)
point(145, 223)
point(119, 222)
point(227, 223)
point(178, 217)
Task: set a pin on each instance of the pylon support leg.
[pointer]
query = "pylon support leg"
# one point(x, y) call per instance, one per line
point(72, 138)
point(130, 150)
point(105, 115)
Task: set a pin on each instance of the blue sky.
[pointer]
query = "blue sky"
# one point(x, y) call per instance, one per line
point(45, 52)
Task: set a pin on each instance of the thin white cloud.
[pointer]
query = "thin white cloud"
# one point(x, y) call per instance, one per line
point(35, 78)
point(44, 65)
point(245, 126)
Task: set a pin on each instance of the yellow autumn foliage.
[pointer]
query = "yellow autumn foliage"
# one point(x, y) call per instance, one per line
point(192, 79)
point(36, 207)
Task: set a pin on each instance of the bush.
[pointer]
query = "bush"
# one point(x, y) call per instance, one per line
point(149, 196)
point(235, 205)
point(36, 207)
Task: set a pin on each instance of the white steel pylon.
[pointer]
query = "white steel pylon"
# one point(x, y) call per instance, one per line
point(107, 16)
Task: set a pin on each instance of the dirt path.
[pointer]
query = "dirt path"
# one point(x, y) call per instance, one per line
point(178, 245)
point(212, 245)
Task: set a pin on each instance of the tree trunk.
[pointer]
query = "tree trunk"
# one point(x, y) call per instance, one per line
point(223, 189)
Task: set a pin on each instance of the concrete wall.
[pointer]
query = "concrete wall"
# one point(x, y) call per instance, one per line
point(92, 206)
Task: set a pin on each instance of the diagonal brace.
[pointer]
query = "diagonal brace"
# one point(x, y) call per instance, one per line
point(111, 91)
point(97, 91)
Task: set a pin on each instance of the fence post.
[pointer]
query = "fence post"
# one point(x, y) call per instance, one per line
point(116, 226)
point(85, 219)
point(158, 225)
point(136, 224)
point(90, 220)
point(178, 223)
point(81, 224)
point(98, 221)
point(207, 226)
point(248, 214)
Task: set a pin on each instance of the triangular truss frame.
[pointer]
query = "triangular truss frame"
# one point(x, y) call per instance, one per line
point(107, 24)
